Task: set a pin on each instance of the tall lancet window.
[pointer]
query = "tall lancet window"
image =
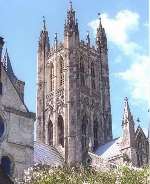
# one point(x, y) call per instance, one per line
point(82, 79)
point(95, 132)
point(92, 76)
point(60, 130)
point(51, 77)
point(50, 133)
point(61, 70)
point(84, 132)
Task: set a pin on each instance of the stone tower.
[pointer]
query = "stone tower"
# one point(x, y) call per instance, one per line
point(73, 97)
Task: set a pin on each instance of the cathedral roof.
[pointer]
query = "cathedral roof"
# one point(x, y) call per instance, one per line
point(110, 149)
point(47, 155)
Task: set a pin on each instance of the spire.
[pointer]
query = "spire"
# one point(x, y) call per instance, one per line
point(127, 116)
point(44, 24)
point(88, 38)
point(101, 39)
point(71, 24)
point(7, 65)
point(70, 5)
point(55, 41)
point(44, 39)
point(1, 46)
point(128, 139)
point(99, 29)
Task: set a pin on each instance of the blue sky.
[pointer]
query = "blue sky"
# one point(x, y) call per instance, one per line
point(126, 24)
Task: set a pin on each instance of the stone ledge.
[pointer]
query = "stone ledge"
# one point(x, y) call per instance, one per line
point(20, 113)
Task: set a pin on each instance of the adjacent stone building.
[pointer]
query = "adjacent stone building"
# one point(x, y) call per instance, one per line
point(16, 123)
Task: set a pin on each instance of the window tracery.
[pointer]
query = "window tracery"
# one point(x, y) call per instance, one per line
point(51, 77)
point(82, 77)
point(92, 76)
point(61, 68)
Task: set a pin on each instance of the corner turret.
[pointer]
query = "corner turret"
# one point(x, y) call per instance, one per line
point(43, 53)
point(101, 39)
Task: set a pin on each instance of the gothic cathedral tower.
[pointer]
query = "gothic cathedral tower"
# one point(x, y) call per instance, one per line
point(73, 97)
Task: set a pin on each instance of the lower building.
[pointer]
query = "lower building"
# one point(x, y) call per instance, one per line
point(16, 123)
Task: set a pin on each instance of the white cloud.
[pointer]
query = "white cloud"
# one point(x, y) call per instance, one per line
point(138, 78)
point(118, 28)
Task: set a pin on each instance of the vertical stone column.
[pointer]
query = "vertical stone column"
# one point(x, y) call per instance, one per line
point(66, 101)
point(55, 114)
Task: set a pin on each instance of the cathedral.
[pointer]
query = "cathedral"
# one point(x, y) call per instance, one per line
point(73, 109)
point(74, 123)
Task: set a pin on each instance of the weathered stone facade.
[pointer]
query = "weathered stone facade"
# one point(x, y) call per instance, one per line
point(16, 124)
point(73, 99)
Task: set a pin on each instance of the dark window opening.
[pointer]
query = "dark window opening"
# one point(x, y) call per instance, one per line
point(95, 132)
point(84, 133)
point(50, 133)
point(6, 165)
point(60, 131)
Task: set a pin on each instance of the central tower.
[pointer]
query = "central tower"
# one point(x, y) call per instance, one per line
point(73, 97)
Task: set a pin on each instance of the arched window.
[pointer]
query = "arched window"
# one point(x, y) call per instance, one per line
point(50, 133)
point(2, 127)
point(61, 68)
point(51, 77)
point(60, 130)
point(6, 165)
point(92, 76)
point(95, 132)
point(84, 132)
point(82, 72)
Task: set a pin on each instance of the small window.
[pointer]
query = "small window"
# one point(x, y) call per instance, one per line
point(6, 165)
point(2, 127)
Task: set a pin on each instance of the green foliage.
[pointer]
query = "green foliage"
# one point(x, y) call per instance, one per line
point(85, 175)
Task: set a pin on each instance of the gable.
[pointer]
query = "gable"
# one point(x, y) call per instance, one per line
point(10, 96)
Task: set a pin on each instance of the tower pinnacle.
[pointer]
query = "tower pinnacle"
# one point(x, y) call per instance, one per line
point(70, 5)
point(44, 23)
point(127, 116)
point(101, 39)
point(71, 24)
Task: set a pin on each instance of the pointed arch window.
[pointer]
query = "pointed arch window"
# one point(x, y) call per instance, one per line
point(82, 78)
point(50, 133)
point(61, 72)
point(95, 133)
point(60, 130)
point(84, 132)
point(92, 76)
point(51, 77)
